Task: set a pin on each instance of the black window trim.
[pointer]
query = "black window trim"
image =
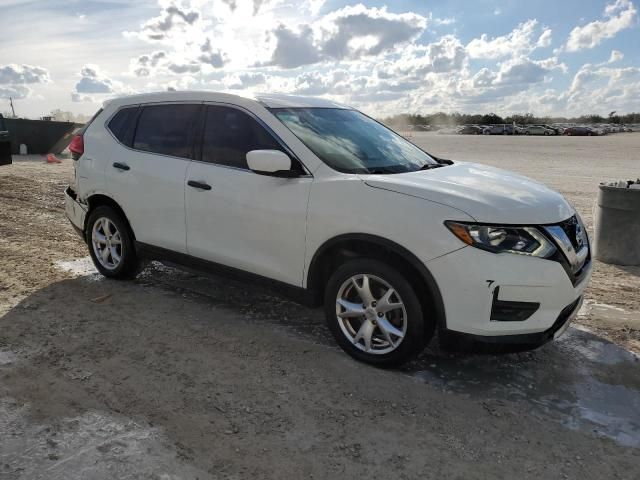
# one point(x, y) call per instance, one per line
point(285, 147)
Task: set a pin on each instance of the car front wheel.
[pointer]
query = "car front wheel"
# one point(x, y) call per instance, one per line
point(111, 244)
point(374, 313)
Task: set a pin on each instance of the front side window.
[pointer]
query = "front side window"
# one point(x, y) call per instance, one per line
point(167, 129)
point(351, 142)
point(229, 134)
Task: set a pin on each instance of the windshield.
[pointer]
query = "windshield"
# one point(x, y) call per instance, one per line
point(351, 142)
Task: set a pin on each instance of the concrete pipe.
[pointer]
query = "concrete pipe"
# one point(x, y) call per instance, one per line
point(617, 227)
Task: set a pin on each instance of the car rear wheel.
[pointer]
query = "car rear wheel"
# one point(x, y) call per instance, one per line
point(111, 244)
point(374, 313)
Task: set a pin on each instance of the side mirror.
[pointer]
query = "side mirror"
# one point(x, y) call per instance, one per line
point(270, 162)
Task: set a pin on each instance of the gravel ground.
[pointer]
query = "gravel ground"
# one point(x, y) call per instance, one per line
point(176, 375)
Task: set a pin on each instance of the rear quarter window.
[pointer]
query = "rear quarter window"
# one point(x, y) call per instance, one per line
point(122, 125)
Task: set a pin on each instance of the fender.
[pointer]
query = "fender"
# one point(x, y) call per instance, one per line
point(312, 276)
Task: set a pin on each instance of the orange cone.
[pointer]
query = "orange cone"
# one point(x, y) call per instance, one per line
point(51, 158)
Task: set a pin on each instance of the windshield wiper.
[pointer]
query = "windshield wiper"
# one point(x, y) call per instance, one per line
point(429, 166)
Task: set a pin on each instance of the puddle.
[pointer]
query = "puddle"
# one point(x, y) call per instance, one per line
point(80, 267)
point(581, 381)
point(92, 445)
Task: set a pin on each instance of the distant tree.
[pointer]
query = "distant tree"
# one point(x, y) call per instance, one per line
point(491, 119)
point(62, 116)
point(403, 121)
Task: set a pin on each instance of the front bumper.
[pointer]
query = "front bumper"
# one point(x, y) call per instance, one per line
point(479, 290)
point(76, 212)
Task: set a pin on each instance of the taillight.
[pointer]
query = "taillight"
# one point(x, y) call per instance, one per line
point(76, 147)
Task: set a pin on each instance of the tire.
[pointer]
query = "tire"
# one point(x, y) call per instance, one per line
point(527, 133)
point(100, 220)
point(388, 350)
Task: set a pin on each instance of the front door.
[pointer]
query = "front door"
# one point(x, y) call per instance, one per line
point(239, 218)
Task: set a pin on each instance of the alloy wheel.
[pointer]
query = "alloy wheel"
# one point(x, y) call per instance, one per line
point(371, 314)
point(107, 243)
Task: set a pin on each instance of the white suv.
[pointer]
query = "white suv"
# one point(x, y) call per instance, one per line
point(329, 205)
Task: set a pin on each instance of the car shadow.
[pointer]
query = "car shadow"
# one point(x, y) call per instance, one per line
point(580, 380)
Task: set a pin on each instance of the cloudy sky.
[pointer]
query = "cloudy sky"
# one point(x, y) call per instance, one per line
point(548, 57)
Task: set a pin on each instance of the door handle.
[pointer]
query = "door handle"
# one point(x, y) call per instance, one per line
point(121, 166)
point(200, 185)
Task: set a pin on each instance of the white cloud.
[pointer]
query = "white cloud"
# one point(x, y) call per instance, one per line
point(523, 71)
point(16, 92)
point(597, 86)
point(340, 28)
point(616, 56)
point(294, 48)
point(13, 74)
point(94, 86)
point(522, 39)
point(444, 56)
point(172, 17)
point(618, 15)
point(349, 33)
point(92, 81)
point(211, 56)
point(244, 80)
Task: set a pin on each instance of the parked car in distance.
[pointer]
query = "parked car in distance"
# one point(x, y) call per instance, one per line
point(470, 130)
point(539, 130)
point(333, 208)
point(556, 129)
point(580, 131)
point(559, 128)
point(499, 130)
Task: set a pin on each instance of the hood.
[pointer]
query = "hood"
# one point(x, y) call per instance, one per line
point(489, 195)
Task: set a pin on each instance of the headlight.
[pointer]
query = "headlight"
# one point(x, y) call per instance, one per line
point(497, 239)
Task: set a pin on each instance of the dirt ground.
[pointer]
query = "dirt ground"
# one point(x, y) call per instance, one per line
point(176, 375)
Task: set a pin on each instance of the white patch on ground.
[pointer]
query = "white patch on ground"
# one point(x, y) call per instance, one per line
point(79, 267)
point(610, 314)
point(7, 357)
point(92, 445)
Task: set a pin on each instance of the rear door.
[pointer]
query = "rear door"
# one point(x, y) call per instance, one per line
point(241, 219)
point(146, 173)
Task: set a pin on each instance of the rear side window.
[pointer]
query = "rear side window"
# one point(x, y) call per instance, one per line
point(230, 133)
point(122, 125)
point(166, 129)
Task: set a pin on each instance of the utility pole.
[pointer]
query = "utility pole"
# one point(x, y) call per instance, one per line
point(13, 110)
